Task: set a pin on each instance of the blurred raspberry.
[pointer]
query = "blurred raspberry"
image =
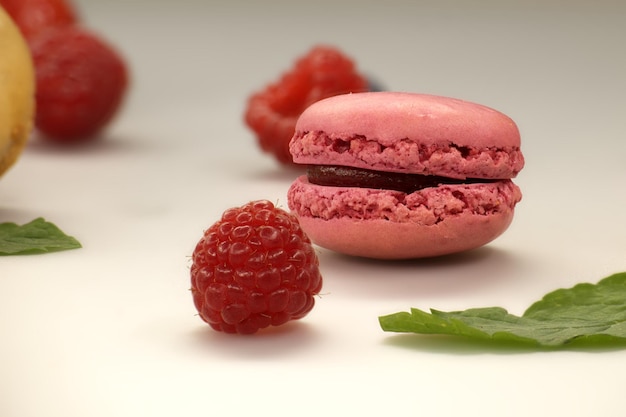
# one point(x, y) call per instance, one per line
point(272, 112)
point(31, 16)
point(81, 83)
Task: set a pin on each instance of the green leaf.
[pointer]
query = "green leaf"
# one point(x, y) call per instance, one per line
point(590, 313)
point(38, 236)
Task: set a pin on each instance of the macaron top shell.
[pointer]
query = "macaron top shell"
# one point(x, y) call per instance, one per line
point(407, 132)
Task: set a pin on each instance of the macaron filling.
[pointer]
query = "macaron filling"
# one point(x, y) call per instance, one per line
point(343, 176)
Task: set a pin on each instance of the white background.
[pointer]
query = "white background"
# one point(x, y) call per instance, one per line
point(110, 329)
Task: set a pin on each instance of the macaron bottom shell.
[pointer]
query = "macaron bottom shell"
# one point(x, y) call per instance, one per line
point(381, 239)
point(385, 224)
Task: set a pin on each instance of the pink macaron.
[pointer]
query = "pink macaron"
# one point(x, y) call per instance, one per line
point(401, 175)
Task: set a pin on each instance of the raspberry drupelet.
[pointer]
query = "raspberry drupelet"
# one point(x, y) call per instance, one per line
point(254, 268)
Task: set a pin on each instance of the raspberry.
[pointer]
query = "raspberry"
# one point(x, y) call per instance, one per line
point(272, 113)
point(31, 16)
point(81, 82)
point(253, 268)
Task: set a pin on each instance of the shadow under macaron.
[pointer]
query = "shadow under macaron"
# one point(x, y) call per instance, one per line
point(459, 273)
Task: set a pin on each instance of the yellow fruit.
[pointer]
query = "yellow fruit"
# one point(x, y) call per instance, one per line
point(17, 92)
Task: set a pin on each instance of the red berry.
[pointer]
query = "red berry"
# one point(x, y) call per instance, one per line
point(31, 16)
point(253, 268)
point(81, 83)
point(272, 113)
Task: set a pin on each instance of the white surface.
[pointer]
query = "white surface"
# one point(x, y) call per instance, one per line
point(110, 329)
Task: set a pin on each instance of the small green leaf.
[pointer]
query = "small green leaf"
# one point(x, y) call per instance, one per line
point(38, 236)
point(593, 313)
